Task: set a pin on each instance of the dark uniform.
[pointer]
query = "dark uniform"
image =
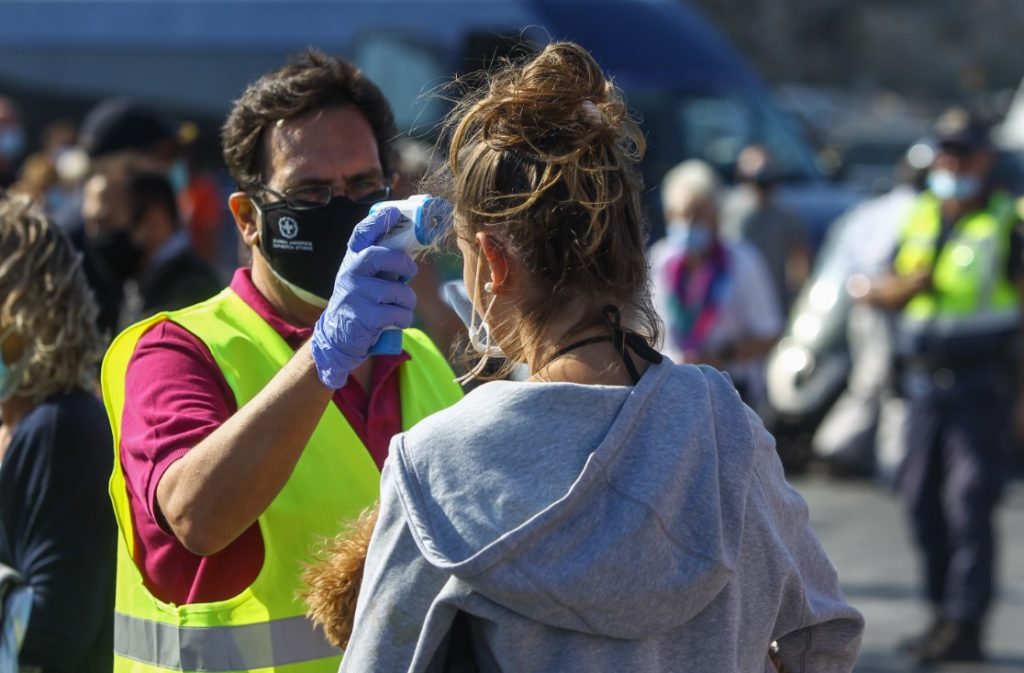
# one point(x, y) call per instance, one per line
point(957, 344)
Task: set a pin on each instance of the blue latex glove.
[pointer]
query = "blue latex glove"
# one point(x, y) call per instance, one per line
point(368, 297)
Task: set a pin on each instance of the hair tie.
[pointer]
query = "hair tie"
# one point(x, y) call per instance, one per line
point(590, 113)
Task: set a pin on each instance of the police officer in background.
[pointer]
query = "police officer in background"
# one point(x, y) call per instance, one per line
point(956, 283)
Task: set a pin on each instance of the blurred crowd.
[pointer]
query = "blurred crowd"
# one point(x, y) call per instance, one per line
point(926, 298)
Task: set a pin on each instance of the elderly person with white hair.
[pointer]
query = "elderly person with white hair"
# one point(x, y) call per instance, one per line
point(716, 298)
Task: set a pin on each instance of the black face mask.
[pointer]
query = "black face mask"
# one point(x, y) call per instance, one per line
point(305, 247)
point(120, 255)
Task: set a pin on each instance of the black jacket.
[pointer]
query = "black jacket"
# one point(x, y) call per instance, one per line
point(57, 529)
point(181, 281)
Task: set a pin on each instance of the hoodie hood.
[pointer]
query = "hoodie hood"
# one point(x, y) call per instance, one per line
point(605, 510)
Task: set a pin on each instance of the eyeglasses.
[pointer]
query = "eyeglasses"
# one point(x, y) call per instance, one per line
point(309, 197)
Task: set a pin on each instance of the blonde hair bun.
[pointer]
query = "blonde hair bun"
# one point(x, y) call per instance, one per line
point(544, 154)
point(556, 105)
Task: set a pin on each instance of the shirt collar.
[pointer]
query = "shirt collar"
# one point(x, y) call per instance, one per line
point(294, 335)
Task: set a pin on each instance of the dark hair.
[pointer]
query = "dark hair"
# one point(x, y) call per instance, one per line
point(545, 156)
point(145, 184)
point(151, 189)
point(311, 82)
point(123, 125)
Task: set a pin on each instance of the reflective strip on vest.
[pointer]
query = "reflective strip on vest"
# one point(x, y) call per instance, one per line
point(976, 324)
point(218, 649)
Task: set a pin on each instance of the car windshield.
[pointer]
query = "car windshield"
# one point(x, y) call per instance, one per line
point(715, 127)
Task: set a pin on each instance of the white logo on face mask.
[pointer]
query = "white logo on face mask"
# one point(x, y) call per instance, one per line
point(289, 227)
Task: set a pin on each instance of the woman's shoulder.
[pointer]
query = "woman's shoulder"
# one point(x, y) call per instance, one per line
point(493, 402)
point(76, 417)
point(65, 439)
point(75, 408)
point(705, 391)
point(513, 416)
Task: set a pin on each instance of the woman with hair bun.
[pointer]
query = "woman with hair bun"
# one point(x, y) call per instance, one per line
point(56, 524)
point(615, 512)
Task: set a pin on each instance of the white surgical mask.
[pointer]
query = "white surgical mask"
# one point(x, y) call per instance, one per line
point(480, 334)
point(456, 295)
point(948, 186)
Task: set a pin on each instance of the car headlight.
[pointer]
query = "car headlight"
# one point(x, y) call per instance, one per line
point(823, 296)
point(807, 327)
point(795, 359)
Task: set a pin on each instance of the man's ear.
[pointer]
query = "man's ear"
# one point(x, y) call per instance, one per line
point(497, 261)
point(246, 218)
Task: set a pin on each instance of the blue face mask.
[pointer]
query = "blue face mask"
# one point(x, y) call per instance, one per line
point(948, 186)
point(693, 236)
point(10, 376)
point(12, 142)
point(178, 176)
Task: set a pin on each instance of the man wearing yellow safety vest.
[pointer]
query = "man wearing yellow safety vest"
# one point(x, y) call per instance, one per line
point(254, 424)
point(956, 282)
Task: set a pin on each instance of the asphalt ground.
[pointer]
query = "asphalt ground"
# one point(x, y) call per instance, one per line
point(864, 532)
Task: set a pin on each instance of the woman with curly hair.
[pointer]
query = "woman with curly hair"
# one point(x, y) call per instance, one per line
point(615, 512)
point(56, 525)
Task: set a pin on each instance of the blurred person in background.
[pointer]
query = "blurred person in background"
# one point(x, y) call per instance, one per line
point(753, 215)
point(13, 141)
point(862, 434)
point(616, 512)
point(58, 137)
point(255, 423)
point(72, 166)
point(118, 126)
point(133, 224)
point(123, 125)
point(36, 177)
point(57, 529)
point(716, 298)
point(956, 283)
point(46, 175)
point(203, 212)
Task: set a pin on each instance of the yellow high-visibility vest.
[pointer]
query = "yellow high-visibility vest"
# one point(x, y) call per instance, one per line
point(972, 294)
point(263, 628)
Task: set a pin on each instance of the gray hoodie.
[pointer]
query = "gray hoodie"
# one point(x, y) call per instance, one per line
point(562, 527)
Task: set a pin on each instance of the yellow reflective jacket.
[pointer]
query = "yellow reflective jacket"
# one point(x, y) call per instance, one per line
point(263, 628)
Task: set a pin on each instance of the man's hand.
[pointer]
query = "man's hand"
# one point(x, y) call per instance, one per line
point(894, 291)
point(919, 281)
point(368, 298)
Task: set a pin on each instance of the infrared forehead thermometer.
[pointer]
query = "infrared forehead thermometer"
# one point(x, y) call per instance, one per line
point(425, 219)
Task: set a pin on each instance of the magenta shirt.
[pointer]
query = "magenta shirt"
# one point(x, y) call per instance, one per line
point(175, 395)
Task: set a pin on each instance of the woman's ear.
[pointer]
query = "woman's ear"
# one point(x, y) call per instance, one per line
point(246, 218)
point(497, 261)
